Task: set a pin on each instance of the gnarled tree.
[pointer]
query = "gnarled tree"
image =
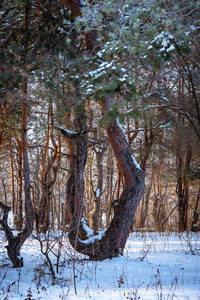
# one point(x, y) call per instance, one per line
point(111, 242)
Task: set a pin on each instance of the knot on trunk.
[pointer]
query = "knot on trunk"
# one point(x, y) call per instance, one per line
point(112, 129)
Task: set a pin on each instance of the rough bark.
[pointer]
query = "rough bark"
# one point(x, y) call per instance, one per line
point(195, 226)
point(145, 203)
point(147, 144)
point(12, 179)
point(182, 188)
point(19, 221)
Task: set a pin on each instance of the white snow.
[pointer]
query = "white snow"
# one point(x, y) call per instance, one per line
point(124, 78)
point(120, 125)
point(68, 132)
point(123, 70)
point(90, 233)
point(94, 238)
point(154, 266)
point(98, 192)
point(171, 48)
point(89, 91)
point(135, 162)
point(102, 69)
point(165, 40)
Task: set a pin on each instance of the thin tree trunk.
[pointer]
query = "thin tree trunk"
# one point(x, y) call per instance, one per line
point(182, 189)
point(12, 180)
point(145, 203)
point(5, 190)
point(19, 222)
point(195, 227)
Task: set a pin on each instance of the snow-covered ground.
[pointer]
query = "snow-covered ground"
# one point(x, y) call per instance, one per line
point(154, 266)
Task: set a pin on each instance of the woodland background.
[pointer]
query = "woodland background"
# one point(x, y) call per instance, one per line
point(58, 58)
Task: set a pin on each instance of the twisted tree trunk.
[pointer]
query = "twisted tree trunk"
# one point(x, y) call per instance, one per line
point(111, 242)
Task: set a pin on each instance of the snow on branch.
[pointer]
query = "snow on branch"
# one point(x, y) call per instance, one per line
point(70, 134)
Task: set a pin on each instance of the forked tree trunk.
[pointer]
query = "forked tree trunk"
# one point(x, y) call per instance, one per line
point(112, 242)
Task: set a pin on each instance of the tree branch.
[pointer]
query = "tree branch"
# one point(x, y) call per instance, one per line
point(71, 135)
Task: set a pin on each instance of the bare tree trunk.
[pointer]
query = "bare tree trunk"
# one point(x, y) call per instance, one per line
point(159, 214)
point(19, 221)
point(195, 227)
point(70, 193)
point(12, 180)
point(109, 186)
point(5, 190)
point(145, 203)
point(145, 152)
point(182, 188)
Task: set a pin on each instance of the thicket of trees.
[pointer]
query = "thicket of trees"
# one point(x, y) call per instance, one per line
point(97, 98)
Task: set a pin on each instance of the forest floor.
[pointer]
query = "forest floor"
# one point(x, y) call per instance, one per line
point(154, 266)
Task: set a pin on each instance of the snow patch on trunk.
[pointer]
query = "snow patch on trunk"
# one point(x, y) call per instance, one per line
point(133, 158)
point(92, 236)
point(135, 162)
point(120, 125)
